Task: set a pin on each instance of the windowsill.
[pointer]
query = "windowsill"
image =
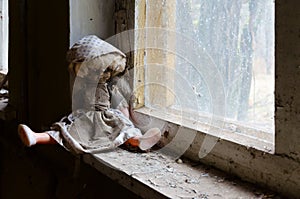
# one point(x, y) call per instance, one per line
point(155, 175)
point(256, 139)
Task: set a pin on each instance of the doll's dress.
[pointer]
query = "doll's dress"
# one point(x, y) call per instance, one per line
point(95, 124)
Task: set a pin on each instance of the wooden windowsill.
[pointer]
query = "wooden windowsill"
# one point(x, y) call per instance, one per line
point(155, 175)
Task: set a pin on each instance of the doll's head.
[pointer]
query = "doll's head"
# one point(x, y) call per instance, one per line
point(99, 69)
point(95, 60)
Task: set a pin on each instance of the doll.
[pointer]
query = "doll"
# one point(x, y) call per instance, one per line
point(101, 116)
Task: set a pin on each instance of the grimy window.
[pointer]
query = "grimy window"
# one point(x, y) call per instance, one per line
point(209, 63)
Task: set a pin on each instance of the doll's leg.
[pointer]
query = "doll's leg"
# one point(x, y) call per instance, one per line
point(146, 141)
point(30, 138)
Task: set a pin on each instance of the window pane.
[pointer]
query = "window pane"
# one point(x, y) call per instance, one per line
point(238, 36)
point(221, 46)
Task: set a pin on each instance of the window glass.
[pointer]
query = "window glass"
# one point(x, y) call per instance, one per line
point(230, 38)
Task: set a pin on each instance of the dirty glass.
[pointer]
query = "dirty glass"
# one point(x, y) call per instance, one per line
point(231, 39)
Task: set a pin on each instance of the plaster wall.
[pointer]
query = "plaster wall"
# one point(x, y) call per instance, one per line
point(91, 17)
point(287, 81)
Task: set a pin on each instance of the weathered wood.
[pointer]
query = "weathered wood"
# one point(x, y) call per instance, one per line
point(160, 62)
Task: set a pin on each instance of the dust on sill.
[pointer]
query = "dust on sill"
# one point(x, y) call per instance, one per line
point(155, 175)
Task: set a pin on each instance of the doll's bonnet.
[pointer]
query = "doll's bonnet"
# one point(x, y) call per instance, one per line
point(94, 55)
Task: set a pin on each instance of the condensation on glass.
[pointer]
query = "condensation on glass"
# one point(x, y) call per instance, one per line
point(230, 38)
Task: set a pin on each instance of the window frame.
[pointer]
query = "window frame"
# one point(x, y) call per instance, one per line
point(250, 139)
